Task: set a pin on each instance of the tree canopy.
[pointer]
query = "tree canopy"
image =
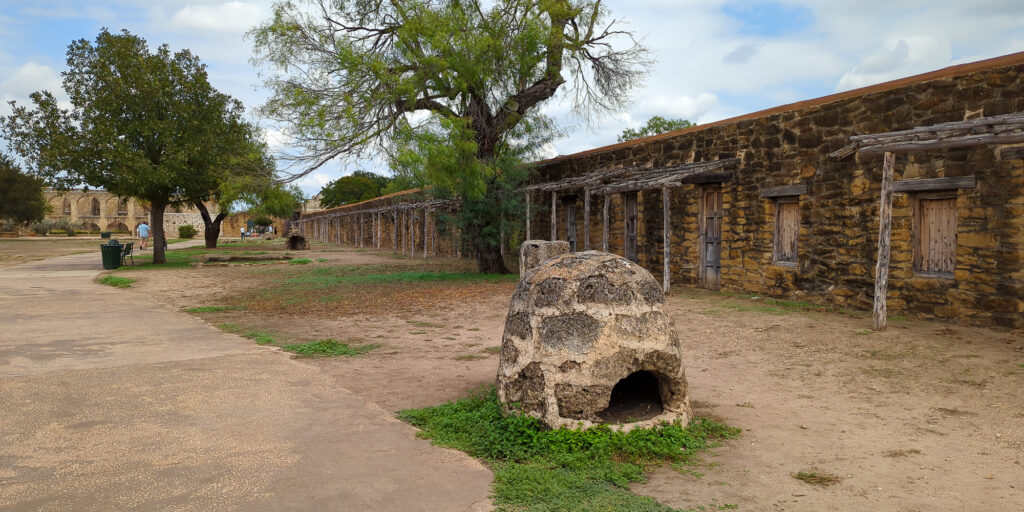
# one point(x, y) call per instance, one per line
point(357, 78)
point(358, 186)
point(654, 126)
point(21, 195)
point(141, 124)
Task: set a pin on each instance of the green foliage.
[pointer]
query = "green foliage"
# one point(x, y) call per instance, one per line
point(358, 186)
point(563, 469)
point(21, 195)
point(331, 276)
point(210, 309)
point(117, 282)
point(65, 226)
point(654, 126)
point(141, 124)
point(329, 348)
point(42, 227)
point(187, 231)
point(300, 261)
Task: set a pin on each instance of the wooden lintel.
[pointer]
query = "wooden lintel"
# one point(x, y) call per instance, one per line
point(714, 177)
point(934, 184)
point(944, 143)
point(784, 191)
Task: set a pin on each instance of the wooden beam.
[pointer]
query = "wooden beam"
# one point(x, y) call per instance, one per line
point(934, 184)
point(361, 235)
point(947, 143)
point(394, 239)
point(711, 177)
point(527, 214)
point(884, 230)
point(412, 233)
point(586, 219)
point(379, 233)
point(426, 234)
point(554, 216)
point(667, 237)
point(604, 231)
point(785, 191)
point(1002, 129)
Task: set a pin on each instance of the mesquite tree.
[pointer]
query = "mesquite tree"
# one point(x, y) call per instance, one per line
point(348, 77)
point(141, 124)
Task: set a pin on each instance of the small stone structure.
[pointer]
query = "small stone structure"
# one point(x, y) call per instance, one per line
point(296, 242)
point(532, 253)
point(587, 341)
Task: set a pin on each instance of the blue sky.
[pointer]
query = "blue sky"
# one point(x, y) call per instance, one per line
point(715, 58)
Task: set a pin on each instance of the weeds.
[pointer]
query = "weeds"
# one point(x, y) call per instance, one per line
point(545, 470)
point(329, 348)
point(117, 282)
point(492, 350)
point(469, 357)
point(300, 261)
point(822, 479)
point(210, 309)
point(902, 453)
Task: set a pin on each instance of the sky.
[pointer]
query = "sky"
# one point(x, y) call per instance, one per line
point(715, 59)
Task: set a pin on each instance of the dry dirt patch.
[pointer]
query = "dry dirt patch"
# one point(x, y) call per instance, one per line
point(925, 416)
point(15, 251)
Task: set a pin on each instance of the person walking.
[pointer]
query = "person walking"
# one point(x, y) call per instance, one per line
point(143, 231)
point(242, 231)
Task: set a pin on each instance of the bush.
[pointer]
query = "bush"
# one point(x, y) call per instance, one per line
point(41, 227)
point(65, 226)
point(187, 231)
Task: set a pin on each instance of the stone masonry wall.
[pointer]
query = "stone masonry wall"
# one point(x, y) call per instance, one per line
point(839, 213)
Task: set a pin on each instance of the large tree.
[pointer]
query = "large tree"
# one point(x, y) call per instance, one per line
point(358, 186)
point(352, 76)
point(141, 124)
point(21, 195)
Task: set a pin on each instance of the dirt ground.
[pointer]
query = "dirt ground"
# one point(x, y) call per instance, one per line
point(924, 416)
point(15, 251)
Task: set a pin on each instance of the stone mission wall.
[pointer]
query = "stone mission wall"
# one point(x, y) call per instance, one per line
point(838, 231)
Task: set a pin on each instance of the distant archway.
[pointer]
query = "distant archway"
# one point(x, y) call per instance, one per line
point(66, 208)
point(91, 227)
point(95, 207)
point(118, 227)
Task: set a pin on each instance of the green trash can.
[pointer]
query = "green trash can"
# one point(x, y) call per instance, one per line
point(111, 252)
point(104, 234)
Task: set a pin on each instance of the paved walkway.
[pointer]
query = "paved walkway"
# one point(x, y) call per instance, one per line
point(110, 401)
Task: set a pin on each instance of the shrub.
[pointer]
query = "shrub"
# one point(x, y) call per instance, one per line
point(187, 231)
point(64, 226)
point(41, 227)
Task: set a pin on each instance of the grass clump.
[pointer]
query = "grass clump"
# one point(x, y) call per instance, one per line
point(813, 478)
point(117, 282)
point(300, 261)
point(469, 357)
point(547, 470)
point(210, 309)
point(329, 348)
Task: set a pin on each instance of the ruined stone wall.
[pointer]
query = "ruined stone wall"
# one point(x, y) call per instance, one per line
point(838, 230)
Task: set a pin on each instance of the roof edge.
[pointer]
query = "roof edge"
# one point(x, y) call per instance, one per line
point(947, 72)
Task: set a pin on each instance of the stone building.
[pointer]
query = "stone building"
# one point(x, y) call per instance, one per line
point(98, 210)
point(781, 209)
point(778, 203)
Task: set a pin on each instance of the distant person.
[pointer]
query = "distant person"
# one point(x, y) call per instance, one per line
point(143, 231)
point(242, 230)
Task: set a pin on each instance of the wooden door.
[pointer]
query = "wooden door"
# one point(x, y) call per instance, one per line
point(711, 237)
point(629, 239)
point(570, 226)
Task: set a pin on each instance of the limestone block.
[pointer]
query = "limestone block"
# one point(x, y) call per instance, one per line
point(533, 253)
point(583, 331)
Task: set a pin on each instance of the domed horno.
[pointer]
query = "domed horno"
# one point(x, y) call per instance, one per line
point(587, 341)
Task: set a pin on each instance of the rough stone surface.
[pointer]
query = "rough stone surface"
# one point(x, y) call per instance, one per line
point(533, 253)
point(577, 325)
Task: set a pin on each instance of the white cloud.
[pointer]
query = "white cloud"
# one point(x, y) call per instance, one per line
point(314, 180)
point(25, 80)
point(231, 17)
point(906, 57)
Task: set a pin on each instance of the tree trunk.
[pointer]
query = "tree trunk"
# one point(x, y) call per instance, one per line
point(156, 223)
point(489, 260)
point(211, 229)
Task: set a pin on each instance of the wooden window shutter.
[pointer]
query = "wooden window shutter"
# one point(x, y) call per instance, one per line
point(787, 230)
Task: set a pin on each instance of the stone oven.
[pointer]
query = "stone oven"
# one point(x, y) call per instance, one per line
point(587, 341)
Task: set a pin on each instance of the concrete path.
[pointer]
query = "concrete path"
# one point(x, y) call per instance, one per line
point(110, 401)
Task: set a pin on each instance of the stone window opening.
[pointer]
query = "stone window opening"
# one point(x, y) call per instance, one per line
point(95, 206)
point(122, 207)
point(67, 207)
point(570, 226)
point(630, 225)
point(787, 231)
point(934, 239)
point(637, 397)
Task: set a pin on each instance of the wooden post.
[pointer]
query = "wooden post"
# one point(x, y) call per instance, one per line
point(527, 215)
point(667, 235)
point(405, 230)
point(412, 233)
point(378, 230)
point(586, 219)
point(554, 216)
point(339, 230)
point(361, 235)
point(884, 230)
point(394, 239)
point(604, 233)
point(426, 234)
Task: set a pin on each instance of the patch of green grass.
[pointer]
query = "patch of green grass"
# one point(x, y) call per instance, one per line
point(300, 261)
point(210, 309)
point(493, 350)
point(469, 357)
point(117, 282)
point(538, 469)
point(260, 337)
point(329, 348)
point(232, 328)
point(450, 338)
point(321, 260)
point(418, 323)
point(902, 453)
point(863, 332)
point(813, 478)
point(328, 276)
